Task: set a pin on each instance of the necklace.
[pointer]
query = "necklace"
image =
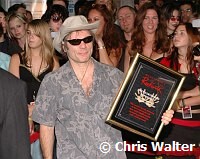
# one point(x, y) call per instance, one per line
point(80, 82)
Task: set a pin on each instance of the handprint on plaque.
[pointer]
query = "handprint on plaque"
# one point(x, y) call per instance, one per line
point(144, 97)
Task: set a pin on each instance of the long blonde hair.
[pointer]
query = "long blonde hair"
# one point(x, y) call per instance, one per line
point(12, 16)
point(41, 30)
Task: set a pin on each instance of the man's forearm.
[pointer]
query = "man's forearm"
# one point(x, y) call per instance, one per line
point(47, 141)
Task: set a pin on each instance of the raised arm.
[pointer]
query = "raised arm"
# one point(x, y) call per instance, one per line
point(103, 54)
point(127, 57)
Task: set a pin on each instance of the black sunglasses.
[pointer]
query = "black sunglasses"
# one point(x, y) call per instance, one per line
point(86, 40)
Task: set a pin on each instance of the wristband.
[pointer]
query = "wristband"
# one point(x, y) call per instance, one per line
point(101, 47)
point(29, 119)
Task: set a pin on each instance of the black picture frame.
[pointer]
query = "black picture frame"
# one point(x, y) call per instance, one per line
point(148, 90)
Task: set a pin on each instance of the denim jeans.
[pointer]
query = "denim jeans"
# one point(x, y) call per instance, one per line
point(36, 151)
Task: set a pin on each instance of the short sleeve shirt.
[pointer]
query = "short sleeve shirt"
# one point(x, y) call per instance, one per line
point(79, 120)
point(4, 61)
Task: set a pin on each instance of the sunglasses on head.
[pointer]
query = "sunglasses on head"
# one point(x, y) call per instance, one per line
point(174, 19)
point(86, 40)
point(56, 19)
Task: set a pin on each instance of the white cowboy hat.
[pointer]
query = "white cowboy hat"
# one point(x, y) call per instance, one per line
point(73, 23)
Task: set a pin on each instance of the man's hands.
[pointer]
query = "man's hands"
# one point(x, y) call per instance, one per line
point(167, 116)
point(30, 121)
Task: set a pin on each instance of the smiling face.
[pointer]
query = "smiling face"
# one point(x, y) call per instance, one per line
point(150, 22)
point(78, 53)
point(126, 19)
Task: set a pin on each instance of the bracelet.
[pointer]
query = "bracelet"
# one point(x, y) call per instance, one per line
point(183, 103)
point(29, 119)
point(101, 47)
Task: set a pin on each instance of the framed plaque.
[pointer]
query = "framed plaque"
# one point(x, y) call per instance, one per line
point(148, 90)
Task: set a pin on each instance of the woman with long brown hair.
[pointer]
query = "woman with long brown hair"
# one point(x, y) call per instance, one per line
point(109, 43)
point(149, 37)
point(185, 127)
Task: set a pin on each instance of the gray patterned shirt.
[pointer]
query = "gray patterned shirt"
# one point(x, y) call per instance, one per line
point(79, 120)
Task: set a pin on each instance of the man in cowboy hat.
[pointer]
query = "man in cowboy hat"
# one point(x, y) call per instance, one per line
point(75, 100)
